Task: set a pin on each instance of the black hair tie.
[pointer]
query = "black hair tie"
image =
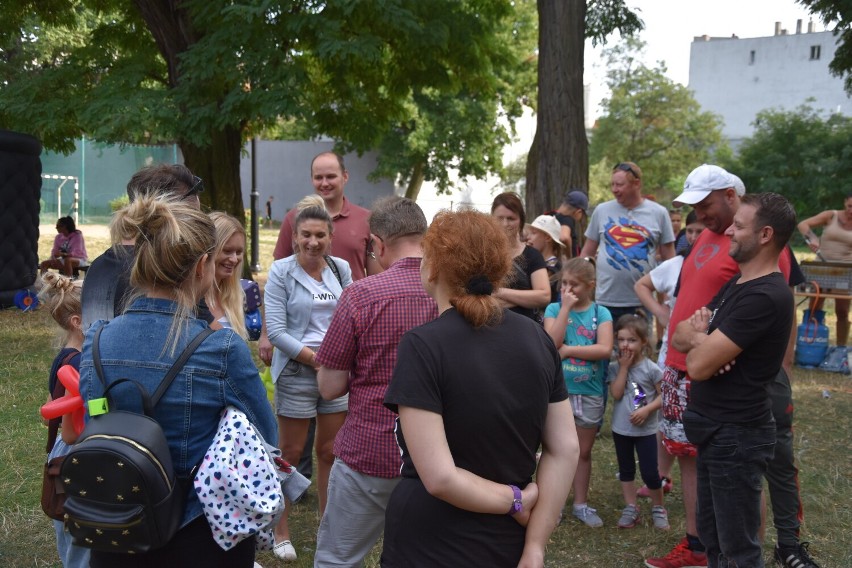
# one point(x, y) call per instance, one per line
point(479, 286)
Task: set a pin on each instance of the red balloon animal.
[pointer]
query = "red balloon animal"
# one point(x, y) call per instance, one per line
point(70, 403)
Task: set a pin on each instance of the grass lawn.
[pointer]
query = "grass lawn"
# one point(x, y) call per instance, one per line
point(823, 432)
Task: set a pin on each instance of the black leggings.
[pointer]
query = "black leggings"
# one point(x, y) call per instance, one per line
point(193, 545)
point(646, 449)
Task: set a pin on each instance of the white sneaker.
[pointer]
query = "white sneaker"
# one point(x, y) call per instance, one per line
point(285, 551)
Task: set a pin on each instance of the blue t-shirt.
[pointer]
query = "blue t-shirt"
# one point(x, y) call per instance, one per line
point(581, 376)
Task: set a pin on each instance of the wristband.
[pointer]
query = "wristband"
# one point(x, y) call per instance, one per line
point(517, 504)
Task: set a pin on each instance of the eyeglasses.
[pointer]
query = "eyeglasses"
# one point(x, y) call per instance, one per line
point(197, 186)
point(371, 253)
point(626, 168)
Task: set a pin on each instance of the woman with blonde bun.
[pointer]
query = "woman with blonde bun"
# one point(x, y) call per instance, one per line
point(172, 271)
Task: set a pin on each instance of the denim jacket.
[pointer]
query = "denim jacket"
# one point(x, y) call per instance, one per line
point(220, 373)
point(288, 304)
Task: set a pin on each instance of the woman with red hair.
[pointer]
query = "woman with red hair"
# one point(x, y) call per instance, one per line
point(477, 390)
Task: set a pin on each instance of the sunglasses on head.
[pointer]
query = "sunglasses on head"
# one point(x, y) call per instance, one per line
point(626, 168)
point(197, 186)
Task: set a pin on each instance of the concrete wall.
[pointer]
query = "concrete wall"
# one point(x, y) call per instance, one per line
point(284, 170)
point(738, 77)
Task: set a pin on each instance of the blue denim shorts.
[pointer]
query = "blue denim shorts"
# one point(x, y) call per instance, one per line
point(297, 394)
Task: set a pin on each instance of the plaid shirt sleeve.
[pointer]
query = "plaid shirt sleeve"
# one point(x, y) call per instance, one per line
point(338, 348)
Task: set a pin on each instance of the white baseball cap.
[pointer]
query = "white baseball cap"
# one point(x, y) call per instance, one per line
point(704, 180)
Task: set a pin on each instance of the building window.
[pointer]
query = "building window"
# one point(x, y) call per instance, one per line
point(815, 52)
point(751, 57)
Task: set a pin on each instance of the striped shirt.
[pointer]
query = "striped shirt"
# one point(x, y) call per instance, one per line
point(371, 316)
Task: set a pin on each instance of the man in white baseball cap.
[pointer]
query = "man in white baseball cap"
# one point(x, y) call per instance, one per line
point(714, 193)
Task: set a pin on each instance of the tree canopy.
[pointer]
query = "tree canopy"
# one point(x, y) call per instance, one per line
point(653, 121)
point(839, 14)
point(421, 81)
point(804, 154)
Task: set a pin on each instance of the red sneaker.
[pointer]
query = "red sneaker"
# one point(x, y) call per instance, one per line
point(644, 492)
point(681, 556)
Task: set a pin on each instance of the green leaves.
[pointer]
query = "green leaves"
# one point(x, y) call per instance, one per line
point(839, 14)
point(804, 154)
point(653, 121)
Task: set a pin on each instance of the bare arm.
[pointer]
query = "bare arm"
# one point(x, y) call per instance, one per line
point(556, 468)
point(555, 327)
point(645, 291)
point(807, 226)
point(602, 349)
point(565, 236)
point(619, 384)
point(590, 249)
point(667, 251)
point(538, 297)
point(427, 443)
point(333, 383)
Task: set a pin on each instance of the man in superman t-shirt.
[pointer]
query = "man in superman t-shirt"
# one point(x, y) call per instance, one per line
point(624, 235)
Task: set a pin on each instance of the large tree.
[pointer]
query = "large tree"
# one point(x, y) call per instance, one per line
point(804, 154)
point(653, 121)
point(209, 74)
point(558, 158)
point(837, 13)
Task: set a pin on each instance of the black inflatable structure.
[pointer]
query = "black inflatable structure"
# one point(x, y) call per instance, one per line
point(20, 192)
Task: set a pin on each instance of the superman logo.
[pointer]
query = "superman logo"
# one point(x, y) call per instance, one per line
point(627, 244)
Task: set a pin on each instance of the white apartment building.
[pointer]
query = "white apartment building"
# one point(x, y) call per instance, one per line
point(738, 77)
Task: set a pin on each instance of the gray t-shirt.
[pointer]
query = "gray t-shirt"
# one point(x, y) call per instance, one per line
point(640, 390)
point(628, 240)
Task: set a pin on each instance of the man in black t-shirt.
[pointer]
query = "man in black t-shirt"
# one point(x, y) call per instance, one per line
point(735, 347)
point(108, 278)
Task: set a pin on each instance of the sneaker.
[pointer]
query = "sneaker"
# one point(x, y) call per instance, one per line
point(629, 517)
point(588, 516)
point(794, 556)
point(646, 493)
point(681, 556)
point(285, 551)
point(660, 517)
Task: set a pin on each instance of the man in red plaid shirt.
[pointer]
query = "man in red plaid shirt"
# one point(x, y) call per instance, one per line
point(357, 356)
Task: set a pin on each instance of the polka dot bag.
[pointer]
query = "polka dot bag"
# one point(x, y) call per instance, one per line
point(238, 485)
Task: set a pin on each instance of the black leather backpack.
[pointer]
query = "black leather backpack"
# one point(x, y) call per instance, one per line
point(122, 494)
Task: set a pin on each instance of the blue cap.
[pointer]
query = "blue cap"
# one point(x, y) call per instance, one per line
point(577, 199)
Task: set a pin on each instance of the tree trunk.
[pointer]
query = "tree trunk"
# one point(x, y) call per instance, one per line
point(217, 163)
point(559, 157)
point(219, 166)
point(416, 182)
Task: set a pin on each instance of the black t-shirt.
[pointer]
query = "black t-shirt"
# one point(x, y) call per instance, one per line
point(520, 276)
point(492, 387)
point(571, 223)
point(107, 285)
point(756, 315)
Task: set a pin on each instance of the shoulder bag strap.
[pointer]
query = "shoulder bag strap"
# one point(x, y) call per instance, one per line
point(333, 265)
point(58, 391)
point(178, 365)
